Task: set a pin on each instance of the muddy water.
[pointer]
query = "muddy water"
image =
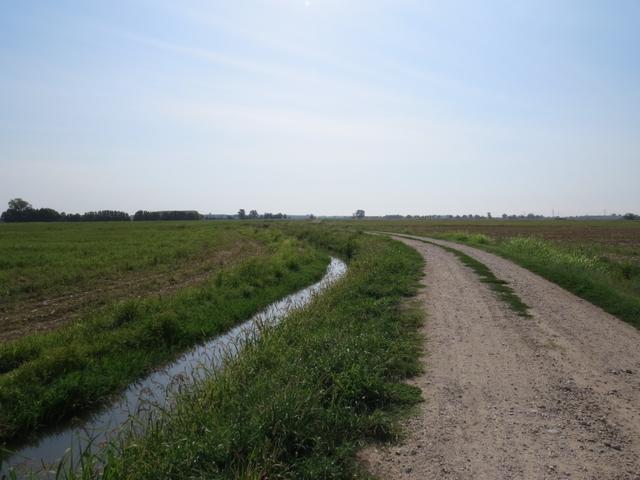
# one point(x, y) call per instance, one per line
point(155, 392)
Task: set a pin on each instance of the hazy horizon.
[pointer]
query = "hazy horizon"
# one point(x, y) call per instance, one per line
point(322, 107)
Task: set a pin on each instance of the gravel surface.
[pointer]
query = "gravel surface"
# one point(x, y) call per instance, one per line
point(553, 396)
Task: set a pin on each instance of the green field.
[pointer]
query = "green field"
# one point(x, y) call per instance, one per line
point(51, 272)
point(52, 375)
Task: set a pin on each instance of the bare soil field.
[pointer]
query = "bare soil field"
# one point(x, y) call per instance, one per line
point(553, 396)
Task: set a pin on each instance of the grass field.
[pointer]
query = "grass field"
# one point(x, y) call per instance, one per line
point(46, 377)
point(598, 261)
point(51, 273)
point(299, 403)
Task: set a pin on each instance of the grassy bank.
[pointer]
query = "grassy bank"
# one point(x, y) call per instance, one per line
point(299, 403)
point(47, 377)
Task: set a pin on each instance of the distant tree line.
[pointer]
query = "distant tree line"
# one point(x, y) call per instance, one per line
point(253, 214)
point(99, 216)
point(22, 211)
point(143, 215)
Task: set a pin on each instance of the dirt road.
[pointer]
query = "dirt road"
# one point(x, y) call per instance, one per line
point(553, 396)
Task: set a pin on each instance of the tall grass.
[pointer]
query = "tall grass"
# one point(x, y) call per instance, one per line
point(45, 378)
point(300, 402)
point(614, 286)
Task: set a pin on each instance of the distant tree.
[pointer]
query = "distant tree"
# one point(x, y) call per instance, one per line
point(630, 216)
point(489, 215)
point(19, 205)
point(71, 217)
point(46, 215)
point(242, 214)
point(21, 211)
point(504, 216)
point(253, 214)
point(359, 214)
point(312, 216)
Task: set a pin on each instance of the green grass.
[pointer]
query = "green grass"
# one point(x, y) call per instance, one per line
point(300, 402)
point(501, 287)
point(47, 377)
point(46, 259)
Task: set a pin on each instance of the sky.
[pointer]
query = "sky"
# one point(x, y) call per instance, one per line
point(322, 106)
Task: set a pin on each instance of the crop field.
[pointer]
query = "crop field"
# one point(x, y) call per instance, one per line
point(51, 273)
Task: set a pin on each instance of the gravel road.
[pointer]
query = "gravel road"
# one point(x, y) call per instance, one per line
point(553, 396)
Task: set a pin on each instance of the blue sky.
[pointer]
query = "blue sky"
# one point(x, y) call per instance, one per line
point(409, 107)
